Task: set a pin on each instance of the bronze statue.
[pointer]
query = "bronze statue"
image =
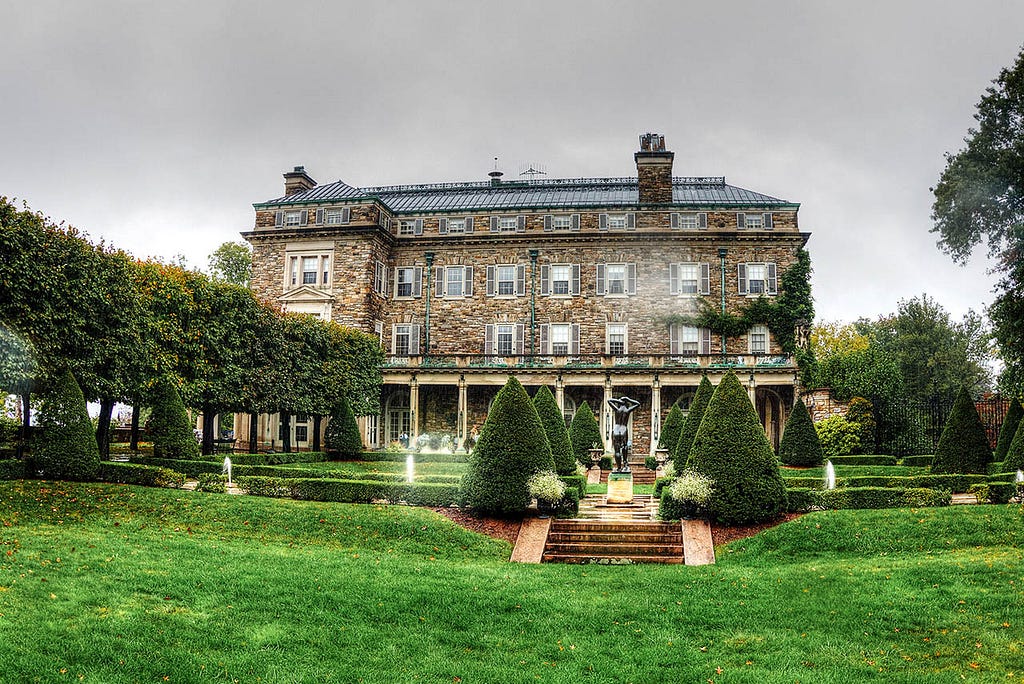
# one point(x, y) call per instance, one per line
point(623, 406)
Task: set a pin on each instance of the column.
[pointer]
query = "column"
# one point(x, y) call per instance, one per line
point(463, 421)
point(655, 413)
point(752, 390)
point(414, 410)
point(606, 414)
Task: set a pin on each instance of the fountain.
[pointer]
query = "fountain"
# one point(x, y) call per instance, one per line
point(410, 466)
point(1019, 480)
point(227, 468)
point(830, 475)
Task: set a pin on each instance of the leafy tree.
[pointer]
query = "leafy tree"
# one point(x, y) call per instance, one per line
point(671, 428)
point(169, 425)
point(512, 447)
point(66, 447)
point(681, 451)
point(584, 434)
point(800, 445)
point(980, 197)
point(554, 427)
point(342, 435)
point(732, 449)
point(832, 338)
point(18, 371)
point(232, 263)
point(837, 436)
point(963, 447)
point(861, 412)
point(1008, 429)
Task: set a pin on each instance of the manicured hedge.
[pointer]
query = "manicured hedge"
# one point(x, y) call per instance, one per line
point(954, 483)
point(399, 457)
point(800, 445)
point(553, 420)
point(577, 483)
point(138, 474)
point(669, 509)
point(963, 446)
point(996, 467)
point(880, 497)
point(864, 460)
point(275, 459)
point(65, 447)
point(214, 483)
point(1008, 429)
point(278, 487)
point(806, 482)
point(191, 468)
point(12, 469)
point(800, 499)
point(365, 491)
point(681, 451)
point(922, 461)
point(569, 505)
point(660, 485)
point(1001, 492)
point(584, 434)
point(1003, 477)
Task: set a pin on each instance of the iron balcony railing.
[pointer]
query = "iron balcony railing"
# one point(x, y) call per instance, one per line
point(588, 361)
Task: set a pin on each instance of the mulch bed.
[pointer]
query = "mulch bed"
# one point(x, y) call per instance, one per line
point(722, 534)
point(492, 527)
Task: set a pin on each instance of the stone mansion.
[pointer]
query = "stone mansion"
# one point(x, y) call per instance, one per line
point(584, 285)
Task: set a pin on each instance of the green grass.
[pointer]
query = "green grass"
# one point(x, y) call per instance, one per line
point(115, 583)
point(602, 488)
point(357, 468)
point(856, 471)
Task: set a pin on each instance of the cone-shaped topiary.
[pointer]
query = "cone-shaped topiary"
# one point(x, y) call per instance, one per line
point(554, 427)
point(681, 451)
point(1015, 454)
point(963, 447)
point(584, 434)
point(66, 446)
point(1009, 429)
point(732, 450)
point(512, 447)
point(342, 436)
point(800, 445)
point(169, 425)
point(671, 428)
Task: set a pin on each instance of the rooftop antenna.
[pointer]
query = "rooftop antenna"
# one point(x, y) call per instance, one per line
point(495, 174)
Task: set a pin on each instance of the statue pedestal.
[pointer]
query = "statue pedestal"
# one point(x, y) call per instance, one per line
point(620, 488)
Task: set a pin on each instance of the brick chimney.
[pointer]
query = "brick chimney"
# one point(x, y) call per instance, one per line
point(297, 180)
point(654, 169)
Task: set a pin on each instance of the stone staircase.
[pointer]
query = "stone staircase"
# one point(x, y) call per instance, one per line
point(641, 474)
point(594, 507)
point(613, 542)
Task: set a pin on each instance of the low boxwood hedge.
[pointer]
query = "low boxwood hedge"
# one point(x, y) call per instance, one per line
point(277, 459)
point(352, 491)
point(996, 467)
point(806, 482)
point(400, 456)
point(570, 503)
point(857, 459)
point(954, 483)
point(12, 469)
point(800, 499)
point(189, 467)
point(880, 497)
point(669, 508)
point(922, 461)
point(660, 485)
point(1001, 492)
point(577, 483)
point(137, 474)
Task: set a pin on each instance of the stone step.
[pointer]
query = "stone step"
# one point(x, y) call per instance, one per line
point(613, 537)
point(610, 550)
point(641, 475)
point(610, 560)
point(598, 526)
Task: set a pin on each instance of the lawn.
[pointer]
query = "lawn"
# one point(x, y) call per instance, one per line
point(116, 583)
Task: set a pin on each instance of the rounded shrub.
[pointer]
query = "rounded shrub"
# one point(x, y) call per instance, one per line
point(66, 447)
point(512, 447)
point(732, 450)
point(1014, 460)
point(671, 428)
point(1008, 429)
point(963, 446)
point(800, 445)
point(554, 427)
point(584, 434)
point(681, 451)
point(341, 437)
point(837, 435)
point(169, 425)
point(862, 412)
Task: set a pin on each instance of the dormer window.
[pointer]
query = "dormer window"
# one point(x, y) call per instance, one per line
point(293, 218)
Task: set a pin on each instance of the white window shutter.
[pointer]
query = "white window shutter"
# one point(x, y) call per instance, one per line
point(278, 218)
point(394, 339)
point(439, 282)
point(469, 224)
point(521, 224)
point(494, 224)
point(518, 349)
point(631, 221)
point(741, 278)
point(631, 279)
point(768, 221)
point(489, 339)
point(602, 223)
point(574, 222)
point(442, 226)
point(417, 281)
point(600, 279)
point(319, 217)
point(574, 288)
point(705, 278)
point(548, 223)
point(490, 281)
point(772, 285)
point(702, 220)
point(741, 221)
point(545, 345)
point(346, 214)
point(418, 227)
point(467, 283)
point(673, 339)
point(705, 340)
point(520, 280)
point(574, 339)
point(673, 279)
point(414, 340)
point(545, 279)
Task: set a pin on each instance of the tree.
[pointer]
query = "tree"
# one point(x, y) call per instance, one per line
point(980, 197)
point(732, 449)
point(554, 427)
point(342, 435)
point(232, 263)
point(800, 445)
point(18, 371)
point(963, 447)
point(169, 425)
point(681, 450)
point(671, 428)
point(1015, 454)
point(1008, 429)
point(584, 434)
point(512, 447)
point(66, 447)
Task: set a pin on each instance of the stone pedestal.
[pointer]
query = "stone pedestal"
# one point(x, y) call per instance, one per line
point(620, 488)
point(594, 475)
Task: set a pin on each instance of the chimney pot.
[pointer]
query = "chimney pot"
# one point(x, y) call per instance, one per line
point(654, 170)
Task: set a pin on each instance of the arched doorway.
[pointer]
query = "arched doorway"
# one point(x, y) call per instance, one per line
point(397, 416)
point(770, 410)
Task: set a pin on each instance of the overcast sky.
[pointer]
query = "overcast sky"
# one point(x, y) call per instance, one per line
point(157, 125)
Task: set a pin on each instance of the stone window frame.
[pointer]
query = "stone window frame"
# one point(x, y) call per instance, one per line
point(561, 222)
point(444, 276)
point(758, 339)
point(701, 284)
point(629, 282)
point(608, 333)
point(748, 220)
point(547, 339)
point(294, 273)
point(493, 337)
point(410, 332)
point(334, 216)
point(456, 226)
point(628, 220)
point(293, 218)
point(769, 282)
point(415, 285)
point(547, 281)
point(410, 227)
point(682, 220)
point(513, 223)
point(689, 340)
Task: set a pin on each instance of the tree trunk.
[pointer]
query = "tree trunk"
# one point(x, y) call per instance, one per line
point(209, 418)
point(26, 414)
point(254, 427)
point(136, 412)
point(103, 428)
point(286, 431)
point(316, 432)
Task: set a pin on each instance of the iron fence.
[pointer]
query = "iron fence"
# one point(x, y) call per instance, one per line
point(914, 427)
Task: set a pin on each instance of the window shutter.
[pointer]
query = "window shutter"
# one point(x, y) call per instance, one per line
point(548, 225)
point(418, 227)
point(741, 278)
point(395, 284)
point(574, 223)
point(319, 217)
point(673, 278)
point(278, 218)
point(414, 340)
point(705, 340)
point(303, 217)
point(494, 224)
point(702, 220)
point(521, 224)
point(439, 282)
point(469, 224)
point(705, 278)
point(600, 279)
point(490, 281)
point(574, 339)
point(417, 281)
point(518, 342)
point(674, 219)
point(442, 226)
point(520, 280)
point(768, 221)
point(394, 338)
point(544, 337)
point(545, 279)
point(631, 279)
point(489, 339)
point(384, 282)
point(603, 222)
point(673, 339)
point(346, 214)
point(631, 221)
point(772, 283)
point(741, 221)
point(467, 283)
point(575, 286)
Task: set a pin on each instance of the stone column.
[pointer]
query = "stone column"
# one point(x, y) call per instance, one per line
point(414, 411)
point(463, 413)
point(655, 413)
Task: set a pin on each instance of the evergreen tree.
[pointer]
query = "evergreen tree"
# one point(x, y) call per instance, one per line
point(342, 434)
point(169, 425)
point(1015, 454)
point(732, 449)
point(1008, 429)
point(681, 451)
point(800, 445)
point(963, 447)
point(671, 428)
point(66, 447)
point(554, 426)
point(584, 434)
point(512, 447)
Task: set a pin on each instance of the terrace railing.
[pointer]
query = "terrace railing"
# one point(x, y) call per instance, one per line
point(588, 361)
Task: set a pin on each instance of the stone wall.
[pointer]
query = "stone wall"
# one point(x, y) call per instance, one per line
point(821, 404)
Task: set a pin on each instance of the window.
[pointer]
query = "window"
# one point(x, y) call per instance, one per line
point(455, 225)
point(689, 278)
point(561, 276)
point(558, 334)
point(754, 221)
point(616, 279)
point(508, 224)
point(408, 281)
point(503, 339)
point(301, 433)
point(336, 217)
point(384, 221)
point(294, 218)
point(458, 281)
point(410, 227)
point(506, 280)
point(616, 283)
point(380, 279)
point(688, 340)
point(560, 339)
point(617, 339)
point(756, 279)
point(405, 339)
point(560, 279)
point(618, 221)
point(309, 269)
point(757, 339)
point(690, 220)
point(562, 222)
